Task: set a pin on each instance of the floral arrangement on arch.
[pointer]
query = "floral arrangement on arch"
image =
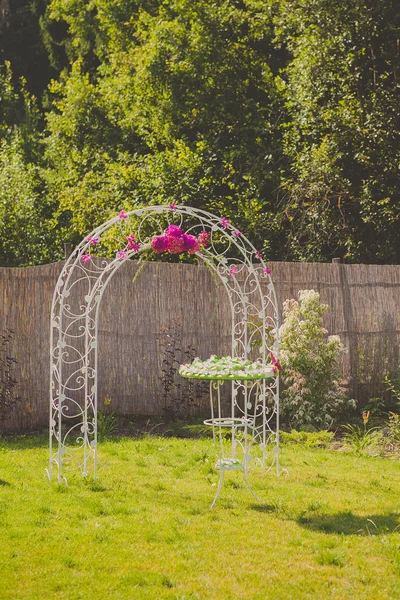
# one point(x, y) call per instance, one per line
point(173, 240)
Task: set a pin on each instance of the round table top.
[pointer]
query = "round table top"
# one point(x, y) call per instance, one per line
point(232, 377)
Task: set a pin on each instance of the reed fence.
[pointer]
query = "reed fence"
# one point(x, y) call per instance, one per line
point(364, 311)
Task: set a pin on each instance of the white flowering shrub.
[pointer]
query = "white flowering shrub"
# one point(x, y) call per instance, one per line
point(314, 392)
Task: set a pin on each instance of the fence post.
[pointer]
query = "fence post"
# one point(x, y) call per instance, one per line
point(68, 249)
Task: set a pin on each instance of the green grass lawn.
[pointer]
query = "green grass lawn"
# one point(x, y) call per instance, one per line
point(145, 530)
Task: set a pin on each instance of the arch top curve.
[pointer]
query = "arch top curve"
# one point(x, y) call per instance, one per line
point(115, 232)
point(77, 299)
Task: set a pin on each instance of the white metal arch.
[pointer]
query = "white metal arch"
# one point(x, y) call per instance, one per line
point(75, 314)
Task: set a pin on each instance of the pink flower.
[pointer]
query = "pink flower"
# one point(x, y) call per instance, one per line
point(86, 258)
point(225, 222)
point(122, 254)
point(237, 233)
point(267, 271)
point(233, 270)
point(172, 206)
point(195, 248)
point(133, 244)
point(93, 241)
point(190, 243)
point(276, 363)
point(204, 239)
point(175, 244)
point(123, 215)
point(173, 231)
point(258, 255)
point(159, 243)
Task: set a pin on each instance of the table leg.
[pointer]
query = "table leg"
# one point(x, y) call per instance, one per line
point(220, 483)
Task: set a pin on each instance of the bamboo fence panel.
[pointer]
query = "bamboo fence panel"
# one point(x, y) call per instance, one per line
point(364, 311)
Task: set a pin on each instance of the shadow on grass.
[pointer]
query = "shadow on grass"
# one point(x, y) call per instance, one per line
point(141, 428)
point(347, 523)
point(4, 483)
point(129, 427)
point(266, 508)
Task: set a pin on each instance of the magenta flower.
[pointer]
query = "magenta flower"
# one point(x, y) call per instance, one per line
point(225, 222)
point(159, 243)
point(132, 243)
point(172, 206)
point(194, 245)
point(175, 244)
point(258, 255)
point(276, 363)
point(173, 231)
point(123, 215)
point(204, 239)
point(195, 249)
point(93, 241)
point(237, 233)
point(233, 270)
point(175, 241)
point(267, 271)
point(135, 246)
point(189, 243)
point(122, 254)
point(86, 258)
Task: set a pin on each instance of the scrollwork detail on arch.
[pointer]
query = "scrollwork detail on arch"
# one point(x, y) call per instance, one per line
point(75, 313)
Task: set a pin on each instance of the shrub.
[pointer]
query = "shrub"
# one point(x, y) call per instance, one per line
point(8, 383)
point(360, 438)
point(311, 439)
point(107, 422)
point(392, 432)
point(393, 385)
point(180, 394)
point(314, 393)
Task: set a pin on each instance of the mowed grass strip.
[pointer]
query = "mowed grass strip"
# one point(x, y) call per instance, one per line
point(145, 529)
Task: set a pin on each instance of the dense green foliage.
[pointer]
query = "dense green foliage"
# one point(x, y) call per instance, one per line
point(283, 116)
point(342, 92)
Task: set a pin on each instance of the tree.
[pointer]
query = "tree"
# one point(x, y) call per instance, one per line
point(28, 230)
point(183, 108)
point(22, 44)
point(341, 86)
point(281, 115)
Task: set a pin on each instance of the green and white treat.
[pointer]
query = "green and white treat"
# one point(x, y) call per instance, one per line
point(226, 368)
